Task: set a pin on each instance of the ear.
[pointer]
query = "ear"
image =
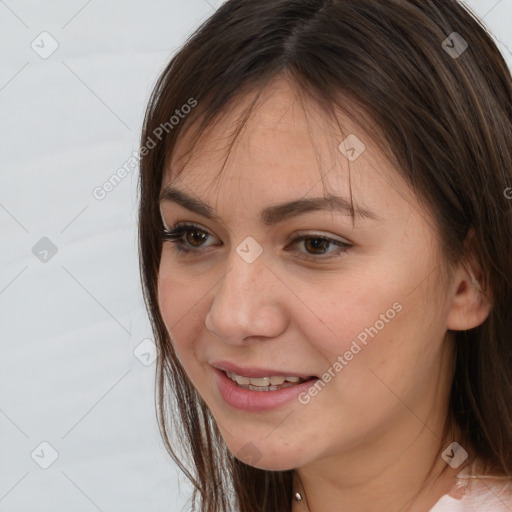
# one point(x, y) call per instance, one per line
point(470, 305)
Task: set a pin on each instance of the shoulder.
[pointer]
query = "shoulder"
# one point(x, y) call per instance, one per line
point(478, 492)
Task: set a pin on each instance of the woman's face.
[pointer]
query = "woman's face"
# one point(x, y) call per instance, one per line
point(368, 322)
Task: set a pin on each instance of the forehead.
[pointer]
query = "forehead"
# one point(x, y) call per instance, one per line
point(282, 152)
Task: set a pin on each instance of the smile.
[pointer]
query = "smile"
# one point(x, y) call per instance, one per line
point(271, 383)
point(245, 393)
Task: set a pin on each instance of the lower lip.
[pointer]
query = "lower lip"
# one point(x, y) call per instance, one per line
point(257, 401)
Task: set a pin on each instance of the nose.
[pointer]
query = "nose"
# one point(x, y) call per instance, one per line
point(247, 303)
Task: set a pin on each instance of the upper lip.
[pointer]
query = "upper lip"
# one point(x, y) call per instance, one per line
point(254, 372)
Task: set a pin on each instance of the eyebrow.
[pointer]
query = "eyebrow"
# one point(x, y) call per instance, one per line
point(272, 214)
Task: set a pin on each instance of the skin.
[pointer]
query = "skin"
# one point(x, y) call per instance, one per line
point(367, 441)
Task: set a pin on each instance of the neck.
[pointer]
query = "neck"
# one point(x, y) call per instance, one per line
point(405, 473)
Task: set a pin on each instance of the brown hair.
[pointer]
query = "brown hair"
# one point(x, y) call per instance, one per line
point(447, 120)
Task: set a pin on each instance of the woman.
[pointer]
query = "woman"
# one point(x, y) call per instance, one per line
point(326, 255)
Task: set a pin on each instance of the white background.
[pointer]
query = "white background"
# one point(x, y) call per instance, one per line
point(68, 374)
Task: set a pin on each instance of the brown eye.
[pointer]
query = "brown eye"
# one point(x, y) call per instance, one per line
point(186, 238)
point(316, 246)
point(194, 239)
point(190, 239)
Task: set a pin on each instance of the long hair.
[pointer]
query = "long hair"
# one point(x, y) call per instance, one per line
point(427, 80)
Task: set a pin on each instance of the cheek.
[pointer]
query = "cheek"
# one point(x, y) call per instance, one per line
point(349, 313)
point(181, 310)
point(389, 350)
point(368, 325)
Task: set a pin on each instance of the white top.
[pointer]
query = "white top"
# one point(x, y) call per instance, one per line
point(477, 492)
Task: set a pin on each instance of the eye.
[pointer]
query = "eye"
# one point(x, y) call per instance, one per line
point(179, 236)
point(319, 243)
point(189, 239)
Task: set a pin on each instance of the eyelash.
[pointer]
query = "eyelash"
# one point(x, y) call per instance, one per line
point(175, 236)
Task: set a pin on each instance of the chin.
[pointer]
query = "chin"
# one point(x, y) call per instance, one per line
point(271, 464)
point(260, 458)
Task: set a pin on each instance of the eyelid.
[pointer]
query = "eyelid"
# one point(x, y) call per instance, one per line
point(184, 226)
point(163, 220)
point(320, 234)
point(292, 237)
point(175, 235)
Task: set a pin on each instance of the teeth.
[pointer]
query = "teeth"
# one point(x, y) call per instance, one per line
point(260, 381)
point(239, 379)
point(264, 382)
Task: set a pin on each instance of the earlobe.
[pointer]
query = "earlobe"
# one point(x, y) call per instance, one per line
point(470, 305)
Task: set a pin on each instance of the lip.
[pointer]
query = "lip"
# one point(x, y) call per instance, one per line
point(257, 401)
point(256, 372)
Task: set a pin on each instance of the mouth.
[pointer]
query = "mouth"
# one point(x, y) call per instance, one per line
point(259, 390)
point(270, 383)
